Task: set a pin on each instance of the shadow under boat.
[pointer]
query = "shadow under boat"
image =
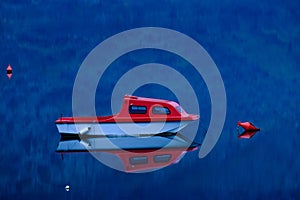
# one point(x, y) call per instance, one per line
point(134, 154)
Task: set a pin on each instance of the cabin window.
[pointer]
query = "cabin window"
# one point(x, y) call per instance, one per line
point(162, 158)
point(160, 110)
point(138, 160)
point(137, 109)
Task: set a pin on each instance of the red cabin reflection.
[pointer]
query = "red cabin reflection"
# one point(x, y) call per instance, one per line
point(142, 160)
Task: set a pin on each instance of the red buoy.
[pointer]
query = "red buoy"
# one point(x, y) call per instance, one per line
point(9, 71)
point(248, 126)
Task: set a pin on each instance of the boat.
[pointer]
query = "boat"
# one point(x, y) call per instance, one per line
point(131, 154)
point(137, 116)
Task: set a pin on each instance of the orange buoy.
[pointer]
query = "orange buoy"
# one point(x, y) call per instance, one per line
point(9, 71)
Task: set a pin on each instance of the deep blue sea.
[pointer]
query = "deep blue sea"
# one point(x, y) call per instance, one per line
point(255, 45)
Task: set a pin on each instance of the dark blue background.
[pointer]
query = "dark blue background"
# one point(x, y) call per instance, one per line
point(255, 45)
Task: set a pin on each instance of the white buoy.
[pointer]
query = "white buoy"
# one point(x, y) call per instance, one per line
point(67, 188)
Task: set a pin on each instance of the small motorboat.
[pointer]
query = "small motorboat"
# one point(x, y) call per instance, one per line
point(138, 116)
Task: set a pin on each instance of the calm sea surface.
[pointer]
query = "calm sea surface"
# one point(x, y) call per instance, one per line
point(255, 45)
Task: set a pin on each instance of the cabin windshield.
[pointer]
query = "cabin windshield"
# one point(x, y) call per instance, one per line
point(180, 109)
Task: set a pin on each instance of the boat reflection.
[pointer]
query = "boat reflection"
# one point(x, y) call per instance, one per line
point(134, 154)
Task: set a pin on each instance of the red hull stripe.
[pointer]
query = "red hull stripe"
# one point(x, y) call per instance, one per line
point(110, 119)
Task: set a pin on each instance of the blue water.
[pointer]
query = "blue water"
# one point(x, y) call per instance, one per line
point(255, 45)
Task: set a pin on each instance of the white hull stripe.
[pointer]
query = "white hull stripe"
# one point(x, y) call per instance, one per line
point(121, 128)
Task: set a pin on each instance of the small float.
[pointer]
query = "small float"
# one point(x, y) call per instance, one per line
point(248, 126)
point(138, 116)
point(9, 71)
point(249, 130)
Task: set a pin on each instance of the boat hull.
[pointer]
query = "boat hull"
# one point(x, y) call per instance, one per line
point(120, 129)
